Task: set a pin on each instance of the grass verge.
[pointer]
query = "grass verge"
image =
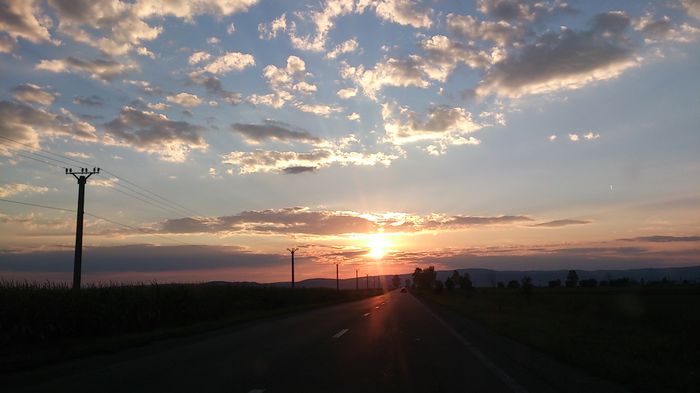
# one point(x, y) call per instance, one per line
point(41, 324)
point(647, 339)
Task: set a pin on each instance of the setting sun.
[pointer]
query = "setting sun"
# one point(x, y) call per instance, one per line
point(378, 246)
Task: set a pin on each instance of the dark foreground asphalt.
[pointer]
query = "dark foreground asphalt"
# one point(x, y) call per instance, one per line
point(390, 343)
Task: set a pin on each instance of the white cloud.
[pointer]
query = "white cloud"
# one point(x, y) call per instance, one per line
point(323, 20)
point(344, 47)
point(184, 99)
point(160, 106)
point(230, 29)
point(198, 57)
point(143, 51)
point(407, 72)
point(591, 135)
point(573, 137)
point(353, 116)
point(552, 137)
point(318, 109)
point(403, 12)
point(7, 190)
point(347, 93)
point(213, 40)
point(269, 31)
point(230, 61)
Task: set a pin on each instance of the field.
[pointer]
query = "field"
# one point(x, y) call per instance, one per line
point(43, 323)
point(646, 338)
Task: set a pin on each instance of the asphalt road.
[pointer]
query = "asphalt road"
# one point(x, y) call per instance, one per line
point(390, 343)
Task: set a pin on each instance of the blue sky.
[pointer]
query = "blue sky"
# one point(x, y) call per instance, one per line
point(380, 134)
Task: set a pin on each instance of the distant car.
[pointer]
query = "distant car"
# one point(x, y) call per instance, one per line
point(403, 290)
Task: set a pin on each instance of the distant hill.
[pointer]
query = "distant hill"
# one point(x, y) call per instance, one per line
point(490, 278)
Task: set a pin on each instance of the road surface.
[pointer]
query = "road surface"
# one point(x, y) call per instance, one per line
point(389, 343)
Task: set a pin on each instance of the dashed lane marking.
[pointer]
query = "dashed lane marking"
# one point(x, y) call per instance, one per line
point(340, 333)
point(366, 314)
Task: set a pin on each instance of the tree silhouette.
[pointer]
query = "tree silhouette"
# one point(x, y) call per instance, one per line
point(513, 284)
point(555, 283)
point(466, 284)
point(527, 286)
point(450, 285)
point(571, 279)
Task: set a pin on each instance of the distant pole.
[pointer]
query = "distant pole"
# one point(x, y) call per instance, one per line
point(357, 280)
point(292, 251)
point(82, 177)
point(337, 278)
point(367, 280)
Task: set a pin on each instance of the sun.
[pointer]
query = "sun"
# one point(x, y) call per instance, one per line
point(378, 246)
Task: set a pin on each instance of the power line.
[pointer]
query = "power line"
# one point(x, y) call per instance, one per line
point(37, 205)
point(100, 218)
point(173, 206)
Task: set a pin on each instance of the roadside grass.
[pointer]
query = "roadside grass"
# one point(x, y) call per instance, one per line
point(43, 323)
point(646, 338)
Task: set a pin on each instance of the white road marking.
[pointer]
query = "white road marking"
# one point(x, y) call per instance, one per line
point(366, 314)
point(505, 378)
point(377, 307)
point(340, 333)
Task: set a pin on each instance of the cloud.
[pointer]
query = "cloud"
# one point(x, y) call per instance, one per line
point(198, 57)
point(589, 136)
point(278, 131)
point(655, 30)
point(269, 31)
point(93, 100)
point(7, 44)
point(184, 99)
point(564, 60)
point(353, 116)
point(347, 93)
point(24, 19)
point(105, 70)
point(213, 86)
point(561, 223)
point(442, 55)
point(505, 9)
point(154, 133)
point(146, 87)
point(305, 221)
point(32, 94)
point(116, 27)
point(403, 12)
point(230, 61)
point(408, 72)
point(665, 239)
point(344, 47)
point(28, 125)
point(141, 258)
point(467, 27)
point(318, 109)
point(323, 20)
point(693, 8)
point(7, 190)
point(290, 161)
point(443, 124)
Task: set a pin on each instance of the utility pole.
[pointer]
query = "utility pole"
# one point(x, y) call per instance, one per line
point(337, 278)
point(82, 177)
point(357, 280)
point(367, 280)
point(292, 251)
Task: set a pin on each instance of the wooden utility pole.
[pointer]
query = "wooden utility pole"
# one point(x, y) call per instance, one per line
point(82, 177)
point(337, 278)
point(357, 280)
point(292, 251)
point(367, 280)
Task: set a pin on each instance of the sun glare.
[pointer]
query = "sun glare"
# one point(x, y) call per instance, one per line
point(378, 246)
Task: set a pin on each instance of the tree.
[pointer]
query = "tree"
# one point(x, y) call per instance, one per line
point(513, 284)
point(425, 278)
point(501, 285)
point(450, 285)
point(589, 283)
point(396, 281)
point(555, 283)
point(527, 286)
point(456, 278)
point(571, 279)
point(466, 284)
point(438, 286)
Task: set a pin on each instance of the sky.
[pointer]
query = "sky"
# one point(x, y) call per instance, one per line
point(378, 135)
